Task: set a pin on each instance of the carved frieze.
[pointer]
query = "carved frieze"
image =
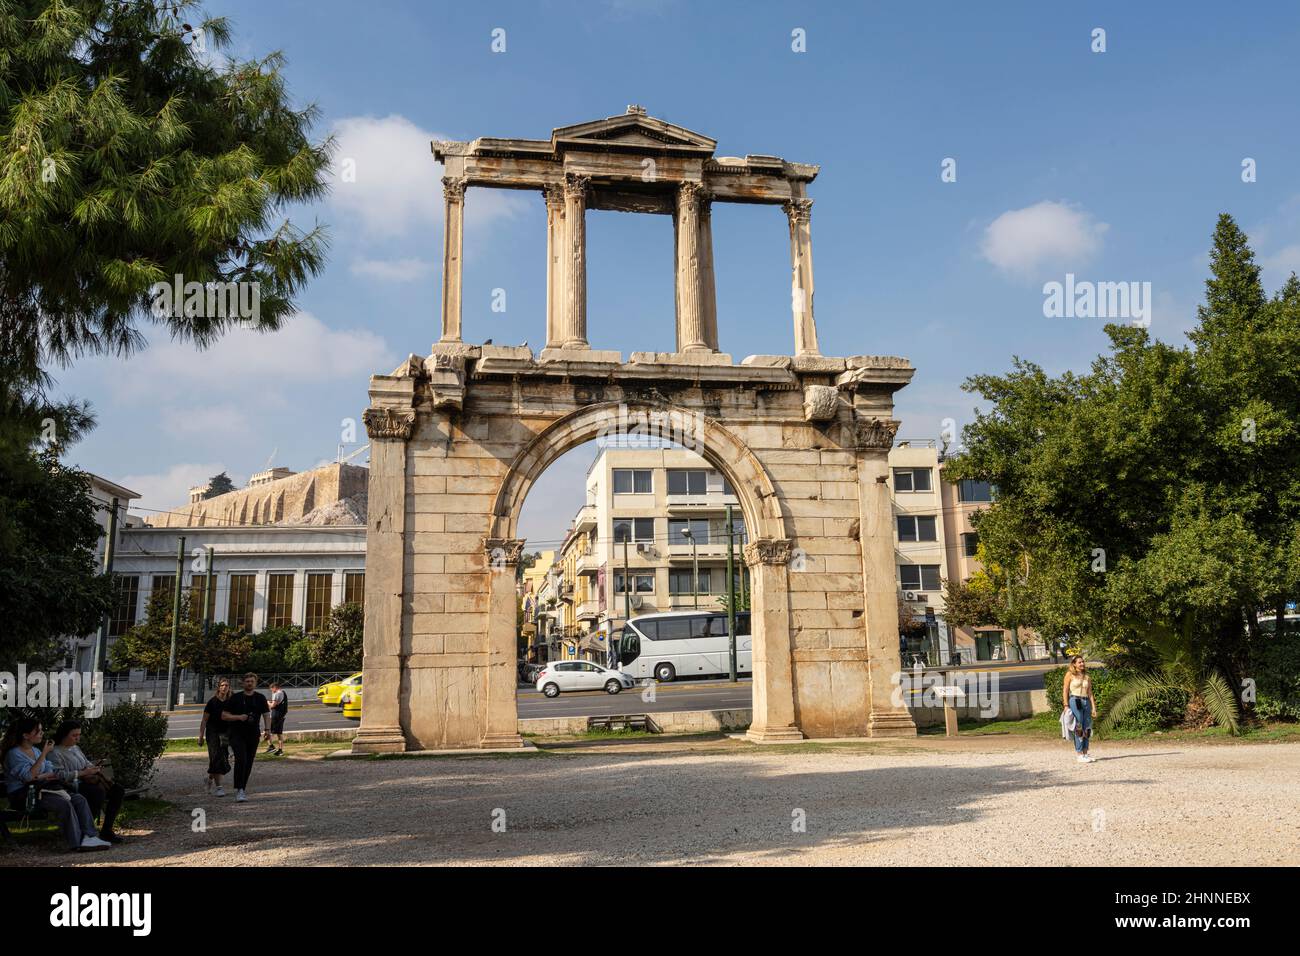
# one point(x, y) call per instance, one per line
point(875, 433)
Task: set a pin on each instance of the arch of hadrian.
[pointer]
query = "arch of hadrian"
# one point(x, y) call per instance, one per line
point(459, 437)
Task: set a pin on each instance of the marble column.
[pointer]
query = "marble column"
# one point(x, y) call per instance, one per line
point(708, 288)
point(502, 724)
point(554, 195)
point(389, 428)
point(773, 718)
point(690, 309)
point(888, 715)
point(573, 327)
point(453, 235)
point(799, 212)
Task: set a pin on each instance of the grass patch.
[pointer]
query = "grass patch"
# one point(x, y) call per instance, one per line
point(45, 834)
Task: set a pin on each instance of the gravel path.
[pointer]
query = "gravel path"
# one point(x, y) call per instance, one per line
point(972, 801)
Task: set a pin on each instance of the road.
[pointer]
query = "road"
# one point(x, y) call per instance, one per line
point(679, 695)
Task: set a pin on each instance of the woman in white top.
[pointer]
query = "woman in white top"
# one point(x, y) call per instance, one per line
point(1076, 691)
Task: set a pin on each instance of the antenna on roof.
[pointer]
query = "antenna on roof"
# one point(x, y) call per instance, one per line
point(274, 451)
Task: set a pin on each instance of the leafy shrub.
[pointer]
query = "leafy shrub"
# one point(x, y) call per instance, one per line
point(131, 738)
point(1160, 712)
point(1275, 666)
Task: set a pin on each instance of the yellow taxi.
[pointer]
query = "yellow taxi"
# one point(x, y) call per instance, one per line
point(352, 703)
point(331, 694)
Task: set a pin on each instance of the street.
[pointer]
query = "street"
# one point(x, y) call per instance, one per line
point(679, 695)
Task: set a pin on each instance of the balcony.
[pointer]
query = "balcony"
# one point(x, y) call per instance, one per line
point(702, 504)
point(585, 519)
point(714, 549)
point(588, 563)
point(589, 610)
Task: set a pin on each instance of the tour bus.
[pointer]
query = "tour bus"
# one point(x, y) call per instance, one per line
point(676, 644)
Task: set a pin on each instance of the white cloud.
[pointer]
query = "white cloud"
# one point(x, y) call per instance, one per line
point(1046, 235)
point(1279, 266)
point(170, 489)
point(393, 270)
point(214, 421)
point(385, 177)
point(243, 362)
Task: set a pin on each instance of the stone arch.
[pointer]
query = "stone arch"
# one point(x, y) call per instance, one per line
point(759, 501)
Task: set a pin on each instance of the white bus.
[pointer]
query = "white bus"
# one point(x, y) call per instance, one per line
point(683, 644)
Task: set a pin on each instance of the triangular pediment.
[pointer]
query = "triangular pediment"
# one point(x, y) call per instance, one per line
point(633, 132)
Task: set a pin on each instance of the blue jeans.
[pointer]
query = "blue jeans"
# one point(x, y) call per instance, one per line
point(1081, 707)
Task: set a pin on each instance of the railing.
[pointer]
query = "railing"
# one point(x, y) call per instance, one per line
point(155, 683)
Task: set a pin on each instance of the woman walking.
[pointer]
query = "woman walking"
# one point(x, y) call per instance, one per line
point(214, 732)
point(27, 769)
point(1076, 691)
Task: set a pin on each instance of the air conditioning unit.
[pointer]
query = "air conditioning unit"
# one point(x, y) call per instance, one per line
point(920, 598)
point(909, 595)
point(643, 548)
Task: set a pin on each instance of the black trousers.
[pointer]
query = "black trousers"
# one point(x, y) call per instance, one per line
point(109, 800)
point(244, 746)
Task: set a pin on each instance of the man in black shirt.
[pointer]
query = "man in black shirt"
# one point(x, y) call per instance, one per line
point(242, 714)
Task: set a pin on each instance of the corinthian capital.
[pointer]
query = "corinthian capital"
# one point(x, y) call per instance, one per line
point(453, 188)
point(553, 193)
point(876, 433)
point(768, 551)
point(387, 423)
point(575, 185)
point(799, 210)
point(502, 553)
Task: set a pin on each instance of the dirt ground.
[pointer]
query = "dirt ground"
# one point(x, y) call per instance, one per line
point(972, 801)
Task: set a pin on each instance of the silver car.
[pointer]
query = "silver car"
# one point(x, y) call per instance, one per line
point(580, 675)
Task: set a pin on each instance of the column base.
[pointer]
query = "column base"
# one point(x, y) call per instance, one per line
point(774, 735)
point(893, 724)
point(379, 740)
point(502, 742)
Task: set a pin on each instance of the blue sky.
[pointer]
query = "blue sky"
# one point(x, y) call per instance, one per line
point(1111, 166)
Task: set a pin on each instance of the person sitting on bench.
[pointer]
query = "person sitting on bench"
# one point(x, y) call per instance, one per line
point(27, 767)
point(83, 776)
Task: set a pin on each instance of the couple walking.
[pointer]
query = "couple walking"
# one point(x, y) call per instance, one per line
point(230, 722)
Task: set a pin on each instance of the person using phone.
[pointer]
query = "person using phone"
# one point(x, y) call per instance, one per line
point(27, 767)
point(86, 777)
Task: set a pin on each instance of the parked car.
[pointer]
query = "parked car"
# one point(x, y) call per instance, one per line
point(331, 694)
point(352, 703)
point(580, 675)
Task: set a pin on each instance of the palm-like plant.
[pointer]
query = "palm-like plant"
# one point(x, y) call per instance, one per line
point(1208, 692)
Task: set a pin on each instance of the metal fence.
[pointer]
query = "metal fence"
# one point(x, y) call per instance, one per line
point(154, 683)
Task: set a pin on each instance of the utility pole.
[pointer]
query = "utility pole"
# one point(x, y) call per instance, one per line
point(101, 639)
point(695, 567)
point(208, 609)
point(731, 596)
point(627, 581)
point(176, 623)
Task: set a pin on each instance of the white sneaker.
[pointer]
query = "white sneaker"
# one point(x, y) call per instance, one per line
point(220, 791)
point(1087, 758)
point(94, 843)
point(1082, 759)
point(241, 797)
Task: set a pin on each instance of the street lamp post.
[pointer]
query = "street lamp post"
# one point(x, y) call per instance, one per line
point(695, 567)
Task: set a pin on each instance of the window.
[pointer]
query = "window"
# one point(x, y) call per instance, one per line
point(633, 481)
point(279, 600)
point(970, 490)
point(164, 586)
point(688, 481)
point(677, 528)
point(319, 588)
point(641, 583)
point(674, 628)
point(969, 543)
point(239, 610)
point(679, 582)
point(641, 530)
point(354, 587)
point(916, 528)
point(122, 619)
point(919, 577)
point(911, 479)
point(198, 608)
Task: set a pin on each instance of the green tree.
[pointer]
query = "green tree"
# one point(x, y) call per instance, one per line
point(219, 485)
point(1158, 489)
point(51, 585)
point(148, 644)
point(339, 645)
point(131, 153)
